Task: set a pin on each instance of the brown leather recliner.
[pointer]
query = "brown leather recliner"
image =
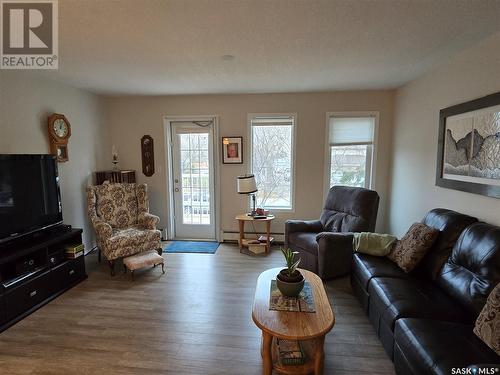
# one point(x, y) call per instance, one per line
point(325, 245)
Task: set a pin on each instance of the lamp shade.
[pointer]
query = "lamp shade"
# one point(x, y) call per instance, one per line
point(246, 184)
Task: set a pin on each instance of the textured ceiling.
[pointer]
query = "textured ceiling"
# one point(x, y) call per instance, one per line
point(176, 47)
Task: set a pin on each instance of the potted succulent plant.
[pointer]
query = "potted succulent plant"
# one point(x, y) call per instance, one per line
point(290, 281)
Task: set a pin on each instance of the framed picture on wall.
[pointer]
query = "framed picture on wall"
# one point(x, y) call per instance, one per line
point(469, 147)
point(232, 150)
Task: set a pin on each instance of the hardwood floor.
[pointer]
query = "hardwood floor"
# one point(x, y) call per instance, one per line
point(195, 319)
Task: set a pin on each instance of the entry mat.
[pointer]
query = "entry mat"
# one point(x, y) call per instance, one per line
point(207, 247)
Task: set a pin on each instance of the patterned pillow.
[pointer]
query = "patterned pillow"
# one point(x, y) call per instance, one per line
point(411, 249)
point(487, 326)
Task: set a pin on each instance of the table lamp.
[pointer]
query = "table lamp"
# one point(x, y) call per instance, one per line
point(246, 185)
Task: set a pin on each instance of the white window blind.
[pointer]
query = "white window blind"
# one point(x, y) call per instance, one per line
point(285, 120)
point(351, 148)
point(351, 130)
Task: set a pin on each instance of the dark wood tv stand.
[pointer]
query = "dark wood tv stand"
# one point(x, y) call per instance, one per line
point(34, 270)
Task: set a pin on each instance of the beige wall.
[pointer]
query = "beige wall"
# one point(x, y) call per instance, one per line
point(470, 75)
point(26, 101)
point(404, 179)
point(132, 117)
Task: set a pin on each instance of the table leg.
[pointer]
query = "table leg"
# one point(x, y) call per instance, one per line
point(268, 234)
point(241, 224)
point(319, 355)
point(267, 360)
point(262, 346)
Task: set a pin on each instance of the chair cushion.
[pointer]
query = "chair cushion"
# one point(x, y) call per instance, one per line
point(130, 241)
point(349, 209)
point(435, 347)
point(305, 241)
point(473, 269)
point(487, 326)
point(397, 298)
point(365, 267)
point(411, 249)
point(450, 225)
point(134, 233)
point(117, 204)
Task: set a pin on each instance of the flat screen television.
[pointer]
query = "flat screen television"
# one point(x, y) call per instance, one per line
point(29, 195)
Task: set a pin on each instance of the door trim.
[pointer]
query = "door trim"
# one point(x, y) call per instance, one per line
point(167, 126)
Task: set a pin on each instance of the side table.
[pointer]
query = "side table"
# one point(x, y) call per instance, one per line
point(245, 242)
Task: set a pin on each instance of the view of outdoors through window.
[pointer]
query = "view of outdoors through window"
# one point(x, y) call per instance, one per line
point(348, 165)
point(272, 164)
point(195, 178)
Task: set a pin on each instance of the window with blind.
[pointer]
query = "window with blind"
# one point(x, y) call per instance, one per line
point(351, 150)
point(271, 145)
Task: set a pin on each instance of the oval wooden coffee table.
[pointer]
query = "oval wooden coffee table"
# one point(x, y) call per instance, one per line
point(309, 328)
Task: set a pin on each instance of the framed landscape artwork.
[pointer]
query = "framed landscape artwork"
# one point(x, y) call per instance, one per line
point(469, 146)
point(232, 150)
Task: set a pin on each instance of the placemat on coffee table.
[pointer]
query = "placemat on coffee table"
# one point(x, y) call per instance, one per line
point(303, 303)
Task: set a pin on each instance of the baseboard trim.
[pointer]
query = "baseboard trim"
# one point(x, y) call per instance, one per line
point(91, 251)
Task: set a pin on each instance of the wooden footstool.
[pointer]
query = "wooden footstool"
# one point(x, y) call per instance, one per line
point(141, 260)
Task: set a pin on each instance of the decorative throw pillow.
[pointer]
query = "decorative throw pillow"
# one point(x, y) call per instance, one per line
point(411, 249)
point(487, 326)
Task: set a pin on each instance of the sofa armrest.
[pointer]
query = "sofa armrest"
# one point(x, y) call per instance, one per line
point(334, 254)
point(102, 228)
point(148, 221)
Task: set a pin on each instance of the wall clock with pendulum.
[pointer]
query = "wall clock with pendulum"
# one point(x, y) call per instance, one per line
point(59, 133)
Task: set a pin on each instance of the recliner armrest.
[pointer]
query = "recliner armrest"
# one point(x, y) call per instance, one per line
point(292, 226)
point(343, 238)
point(295, 226)
point(334, 254)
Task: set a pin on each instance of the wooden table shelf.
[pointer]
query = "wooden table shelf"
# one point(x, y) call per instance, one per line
point(309, 348)
point(245, 243)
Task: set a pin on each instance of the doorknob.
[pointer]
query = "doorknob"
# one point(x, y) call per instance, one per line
point(176, 190)
point(176, 181)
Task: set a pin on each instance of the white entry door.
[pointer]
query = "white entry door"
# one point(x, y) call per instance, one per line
point(193, 179)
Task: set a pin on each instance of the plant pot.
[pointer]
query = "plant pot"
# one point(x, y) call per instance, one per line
point(290, 287)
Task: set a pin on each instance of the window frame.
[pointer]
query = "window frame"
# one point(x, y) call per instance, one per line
point(327, 171)
point(293, 115)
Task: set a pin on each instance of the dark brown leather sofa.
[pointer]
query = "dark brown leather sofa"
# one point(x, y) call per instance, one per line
point(425, 318)
point(325, 245)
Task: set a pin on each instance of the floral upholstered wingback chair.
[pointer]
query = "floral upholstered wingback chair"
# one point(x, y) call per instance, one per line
point(120, 216)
